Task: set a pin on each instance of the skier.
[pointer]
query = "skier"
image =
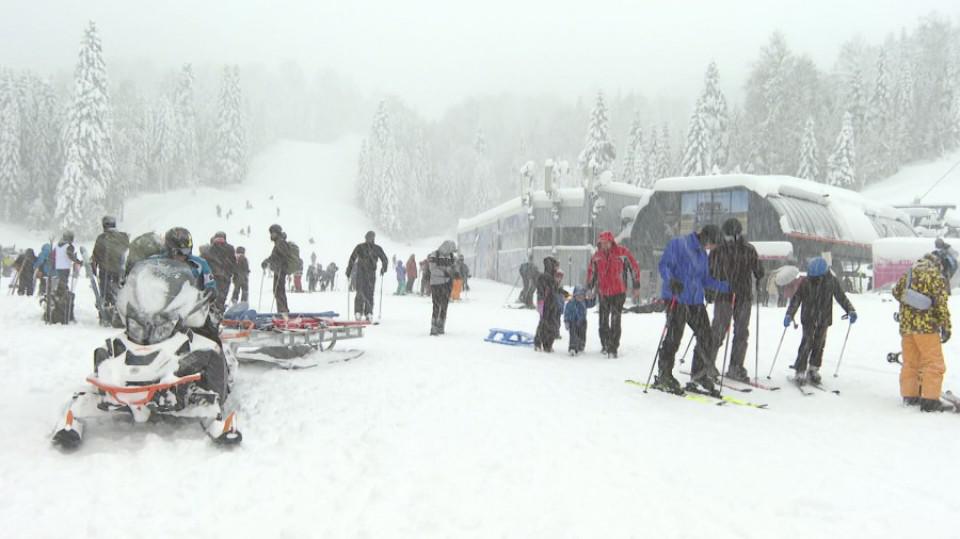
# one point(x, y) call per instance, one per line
point(222, 258)
point(411, 273)
point(815, 294)
point(734, 261)
point(401, 270)
point(241, 277)
point(43, 267)
point(107, 264)
point(23, 266)
point(364, 257)
point(575, 319)
point(529, 274)
point(605, 274)
point(219, 210)
point(64, 259)
point(278, 264)
point(312, 277)
point(441, 264)
point(684, 269)
point(547, 289)
point(924, 315)
point(329, 277)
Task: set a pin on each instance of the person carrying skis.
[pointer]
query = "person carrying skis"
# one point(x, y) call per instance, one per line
point(364, 258)
point(684, 269)
point(549, 306)
point(814, 298)
point(222, 259)
point(107, 264)
point(924, 315)
point(411, 273)
point(734, 261)
point(575, 319)
point(277, 261)
point(241, 277)
point(441, 264)
point(606, 275)
point(401, 270)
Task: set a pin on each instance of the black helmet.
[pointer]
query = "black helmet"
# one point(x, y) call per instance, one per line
point(241, 250)
point(178, 240)
point(275, 229)
point(67, 236)
point(109, 221)
point(709, 234)
point(732, 227)
point(948, 258)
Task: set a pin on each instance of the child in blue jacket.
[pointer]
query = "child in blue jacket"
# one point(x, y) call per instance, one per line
point(575, 319)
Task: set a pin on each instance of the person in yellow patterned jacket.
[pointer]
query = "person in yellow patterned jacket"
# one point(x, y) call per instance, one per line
point(924, 325)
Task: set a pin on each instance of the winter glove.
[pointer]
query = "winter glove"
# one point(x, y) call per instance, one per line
point(944, 335)
point(710, 295)
point(676, 287)
point(852, 315)
point(787, 320)
point(383, 270)
point(264, 265)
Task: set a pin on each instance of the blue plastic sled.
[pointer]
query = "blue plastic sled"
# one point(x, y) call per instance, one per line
point(509, 337)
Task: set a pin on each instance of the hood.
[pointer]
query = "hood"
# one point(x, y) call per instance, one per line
point(579, 291)
point(550, 265)
point(606, 235)
point(447, 247)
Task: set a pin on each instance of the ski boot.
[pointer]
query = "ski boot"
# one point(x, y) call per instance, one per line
point(911, 401)
point(813, 376)
point(703, 385)
point(934, 405)
point(665, 381)
point(738, 373)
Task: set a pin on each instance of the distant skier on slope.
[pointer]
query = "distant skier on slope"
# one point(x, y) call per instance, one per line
point(815, 297)
point(605, 278)
point(364, 259)
point(734, 261)
point(684, 268)
point(924, 315)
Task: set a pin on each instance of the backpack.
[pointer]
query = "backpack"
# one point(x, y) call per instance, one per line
point(292, 263)
point(143, 247)
point(115, 245)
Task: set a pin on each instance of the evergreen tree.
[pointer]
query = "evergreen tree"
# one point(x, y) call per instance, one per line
point(47, 154)
point(664, 165)
point(877, 158)
point(840, 165)
point(653, 157)
point(159, 144)
point(696, 158)
point(714, 115)
point(231, 133)
point(390, 190)
point(86, 188)
point(767, 107)
point(11, 174)
point(185, 142)
point(905, 113)
point(809, 154)
point(598, 154)
point(630, 170)
point(482, 184)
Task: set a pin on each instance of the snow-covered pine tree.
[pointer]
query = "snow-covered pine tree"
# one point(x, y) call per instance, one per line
point(653, 156)
point(628, 173)
point(905, 111)
point(160, 123)
point(83, 194)
point(840, 165)
point(877, 159)
point(11, 174)
point(390, 191)
point(716, 119)
point(231, 133)
point(771, 133)
point(641, 160)
point(696, 157)
point(363, 174)
point(599, 152)
point(856, 101)
point(809, 154)
point(50, 117)
point(185, 140)
point(481, 194)
point(664, 154)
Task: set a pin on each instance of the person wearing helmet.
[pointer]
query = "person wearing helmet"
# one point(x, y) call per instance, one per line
point(179, 246)
point(924, 315)
point(277, 262)
point(606, 278)
point(107, 263)
point(736, 262)
point(684, 269)
point(364, 259)
point(815, 295)
point(223, 263)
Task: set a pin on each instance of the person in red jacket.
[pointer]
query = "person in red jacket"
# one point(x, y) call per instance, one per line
point(606, 274)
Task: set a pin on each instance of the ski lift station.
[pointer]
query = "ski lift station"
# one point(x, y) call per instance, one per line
point(788, 220)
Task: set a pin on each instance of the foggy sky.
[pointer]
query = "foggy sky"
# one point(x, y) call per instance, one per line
point(433, 53)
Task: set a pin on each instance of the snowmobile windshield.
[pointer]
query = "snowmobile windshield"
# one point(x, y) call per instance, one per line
point(158, 295)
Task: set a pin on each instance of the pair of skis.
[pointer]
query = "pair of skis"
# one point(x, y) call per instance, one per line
point(702, 396)
point(800, 384)
point(738, 385)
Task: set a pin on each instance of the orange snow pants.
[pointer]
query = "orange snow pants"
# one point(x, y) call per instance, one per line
point(923, 366)
point(457, 287)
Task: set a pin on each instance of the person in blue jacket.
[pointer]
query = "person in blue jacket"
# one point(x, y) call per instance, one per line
point(685, 271)
point(179, 246)
point(575, 319)
point(43, 266)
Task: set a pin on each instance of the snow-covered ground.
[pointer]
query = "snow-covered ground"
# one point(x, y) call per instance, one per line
point(915, 180)
point(454, 437)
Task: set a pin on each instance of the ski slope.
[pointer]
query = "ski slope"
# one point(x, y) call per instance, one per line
point(454, 437)
point(915, 180)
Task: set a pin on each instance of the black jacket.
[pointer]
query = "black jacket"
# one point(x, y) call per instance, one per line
point(734, 262)
point(277, 261)
point(223, 260)
point(365, 256)
point(109, 250)
point(243, 269)
point(816, 295)
point(547, 289)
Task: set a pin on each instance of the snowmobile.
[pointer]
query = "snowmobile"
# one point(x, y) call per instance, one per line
point(160, 364)
point(288, 340)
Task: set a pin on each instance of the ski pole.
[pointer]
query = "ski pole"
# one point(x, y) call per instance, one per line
point(260, 299)
point(663, 335)
point(15, 282)
point(844, 348)
point(380, 307)
point(777, 354)
point(348, 299)
point(756, 358)
point(726, 347)
point(683, 358)
point(514, 287)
